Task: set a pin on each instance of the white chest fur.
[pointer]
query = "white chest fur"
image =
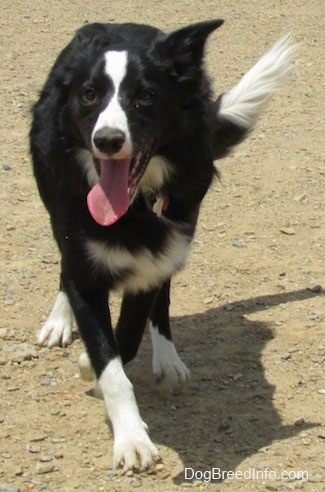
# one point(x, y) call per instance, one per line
point(143, 269)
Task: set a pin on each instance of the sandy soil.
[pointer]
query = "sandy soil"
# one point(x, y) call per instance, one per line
point(248, 311)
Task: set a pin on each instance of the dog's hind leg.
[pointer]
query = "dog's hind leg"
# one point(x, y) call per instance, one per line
point(58, 328)
point(168, 369)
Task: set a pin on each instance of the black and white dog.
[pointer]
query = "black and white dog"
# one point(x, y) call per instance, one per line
point(123, 140)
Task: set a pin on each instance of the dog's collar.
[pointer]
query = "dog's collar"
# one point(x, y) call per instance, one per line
point(160, 205)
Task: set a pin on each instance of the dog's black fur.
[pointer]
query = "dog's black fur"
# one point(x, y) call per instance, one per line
point(167, 100)
point(182, 122)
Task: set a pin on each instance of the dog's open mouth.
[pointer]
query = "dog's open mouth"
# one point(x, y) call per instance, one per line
point(110, 198)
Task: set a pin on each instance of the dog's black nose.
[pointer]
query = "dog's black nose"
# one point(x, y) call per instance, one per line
point(109, 140)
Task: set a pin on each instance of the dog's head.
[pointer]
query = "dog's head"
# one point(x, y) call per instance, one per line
point(125, 91)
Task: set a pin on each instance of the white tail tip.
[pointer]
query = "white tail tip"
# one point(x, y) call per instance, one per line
point(244, 103)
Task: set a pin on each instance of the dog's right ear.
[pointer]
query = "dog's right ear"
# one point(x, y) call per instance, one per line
point(89, 34)
point(86, 39)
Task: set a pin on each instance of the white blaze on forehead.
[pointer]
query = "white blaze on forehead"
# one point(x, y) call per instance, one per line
point(113, 116)
point(115, 66)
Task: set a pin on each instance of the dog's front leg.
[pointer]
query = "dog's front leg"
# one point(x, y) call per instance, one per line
point(133, 448)
point(57, 330)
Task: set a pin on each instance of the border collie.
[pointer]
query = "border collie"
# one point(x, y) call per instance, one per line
point(123, 140)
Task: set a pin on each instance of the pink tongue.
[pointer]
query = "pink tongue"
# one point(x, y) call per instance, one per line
point(109, 199)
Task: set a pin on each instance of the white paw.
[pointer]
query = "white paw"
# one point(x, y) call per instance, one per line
point(168, 369)
point(58, 328)
point(133, 449)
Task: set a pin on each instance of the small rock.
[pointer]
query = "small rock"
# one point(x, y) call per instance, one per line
point(289, 231)
point(20, 352)
point(229, 307)
point(164, 476)
point(306, 442)
point(177, 471)
point(8, 487)
point(208, 300)
point(322, 464)
point(159, 467)
point(47, 382)
point(19, 471)
point(315, 288)
point(299, 422)
point(33, 448)
point(137, 484)
point(111, 474)
point(59, 440)
point(238, 244)
point(54, 412)
point(286, 356)
point(224, 427)
point(321, 391)
point(322, 434)
point(6, 456)
point(46, 458)
point(300, 198)
point(39, 438)
point(43, 468)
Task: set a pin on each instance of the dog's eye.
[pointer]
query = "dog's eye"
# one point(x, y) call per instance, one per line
point(146, 96)
point(89, 96)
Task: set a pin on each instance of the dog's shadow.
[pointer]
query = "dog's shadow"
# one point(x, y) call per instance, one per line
point(227, 412)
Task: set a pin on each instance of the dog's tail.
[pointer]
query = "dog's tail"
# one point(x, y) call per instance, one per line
point(237, 111)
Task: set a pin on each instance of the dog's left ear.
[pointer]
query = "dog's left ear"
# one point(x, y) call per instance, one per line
point(181, 57)
point(186, 45)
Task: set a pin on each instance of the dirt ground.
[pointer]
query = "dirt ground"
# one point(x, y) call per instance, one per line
point(248, 311)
